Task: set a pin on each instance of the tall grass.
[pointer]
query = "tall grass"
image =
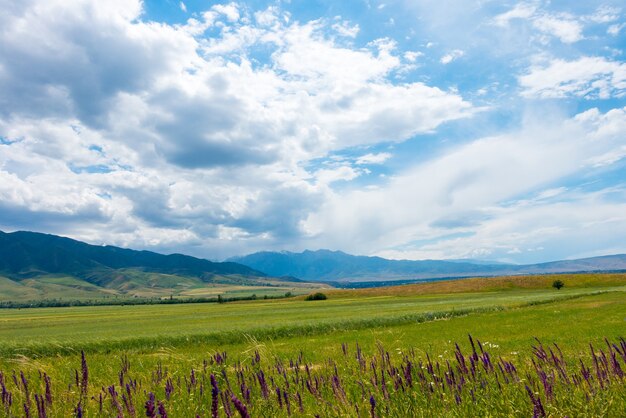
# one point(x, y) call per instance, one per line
point(471, 381)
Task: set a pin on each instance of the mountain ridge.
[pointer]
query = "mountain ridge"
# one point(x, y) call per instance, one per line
point(321, 265)
point(25, 254)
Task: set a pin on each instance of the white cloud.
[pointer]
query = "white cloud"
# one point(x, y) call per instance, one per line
point(346, 29)
point(148, 134)
point(605, 14)
point(331, 175)
point(182, 136)
point(565, 27)
point(373, 158)
point(520, 11)
point(451, 56)
point(487, 176)
point(589, 77)
point(231, 11)
point(412, 56)
point(182, 6)
point(615, 30)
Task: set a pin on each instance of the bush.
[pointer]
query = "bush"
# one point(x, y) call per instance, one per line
point(557, 284)
point(316, 296)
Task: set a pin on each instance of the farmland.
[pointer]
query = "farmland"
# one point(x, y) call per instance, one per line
point(348, 343)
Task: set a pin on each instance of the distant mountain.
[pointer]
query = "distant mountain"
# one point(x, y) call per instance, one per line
point(27, 254)
point(325, 265)
point(35, 267)
point(336, 266)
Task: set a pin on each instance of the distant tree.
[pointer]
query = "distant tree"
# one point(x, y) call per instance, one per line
point(287, 294)
point(316, 296)
point(558, 284)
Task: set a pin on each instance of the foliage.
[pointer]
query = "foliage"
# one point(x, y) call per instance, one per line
point(316, 296)
point(558, 284)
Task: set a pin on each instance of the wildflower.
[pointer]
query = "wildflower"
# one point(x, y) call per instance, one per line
point(372, 406)
point(162, 412)
point(150, 406)
point(84, 373)
point(214, 397)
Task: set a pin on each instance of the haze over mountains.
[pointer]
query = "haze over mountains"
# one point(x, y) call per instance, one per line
point(324, 265)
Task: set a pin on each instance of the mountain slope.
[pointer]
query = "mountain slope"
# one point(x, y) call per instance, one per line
point(28, 254)
point(324, 265)
point(38, 267)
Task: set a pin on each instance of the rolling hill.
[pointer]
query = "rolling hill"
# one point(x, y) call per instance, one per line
point(41, 266)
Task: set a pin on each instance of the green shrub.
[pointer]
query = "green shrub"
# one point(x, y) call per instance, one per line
point(316, 296)
point(558, 284)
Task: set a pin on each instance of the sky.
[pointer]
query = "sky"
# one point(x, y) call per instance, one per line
point(424, 129)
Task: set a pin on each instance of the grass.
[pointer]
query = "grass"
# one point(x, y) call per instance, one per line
point(491, 284)
point(134, 283)
point(47, 330)
point(423, 320)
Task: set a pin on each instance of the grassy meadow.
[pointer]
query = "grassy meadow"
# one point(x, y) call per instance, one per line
point(133, 284)
point(370, 353)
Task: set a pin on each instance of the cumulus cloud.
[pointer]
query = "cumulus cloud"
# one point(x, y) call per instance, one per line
point(206, 136)
point(588, 77)
point(566, 29)
point(141, 133)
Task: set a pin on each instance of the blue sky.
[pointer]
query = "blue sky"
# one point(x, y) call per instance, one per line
point(405, 129)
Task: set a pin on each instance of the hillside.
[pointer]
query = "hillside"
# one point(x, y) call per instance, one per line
point(36, 266)
point(25, 254)
point(325, 265)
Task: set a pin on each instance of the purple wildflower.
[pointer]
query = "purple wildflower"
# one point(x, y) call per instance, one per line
point(41, 406)
point(150, 406)
point(84, 373)
point(162, 412)
point(240, 407)
point(214, 397)
point(538, 410)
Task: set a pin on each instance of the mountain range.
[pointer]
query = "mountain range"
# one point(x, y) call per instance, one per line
point(26, 254)
point(37, 266)
point(337, 266)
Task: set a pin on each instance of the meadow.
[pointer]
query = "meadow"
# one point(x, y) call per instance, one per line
point(372, 353)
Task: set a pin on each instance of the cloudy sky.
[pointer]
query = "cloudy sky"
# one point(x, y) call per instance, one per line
point(407, 129)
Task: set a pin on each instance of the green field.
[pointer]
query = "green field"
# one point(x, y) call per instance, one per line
point(407, 322)
point(133, 284)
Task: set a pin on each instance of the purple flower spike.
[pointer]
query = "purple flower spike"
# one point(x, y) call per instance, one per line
point(240, 407)
point(214, 397)
point(150, 406)
point(162, 412)
point(373, 406)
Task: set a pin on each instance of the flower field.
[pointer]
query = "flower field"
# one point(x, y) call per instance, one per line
point(415, 356)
